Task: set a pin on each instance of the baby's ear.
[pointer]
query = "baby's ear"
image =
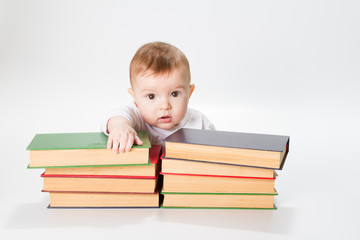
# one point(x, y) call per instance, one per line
point(131, 92)
point(192, 88)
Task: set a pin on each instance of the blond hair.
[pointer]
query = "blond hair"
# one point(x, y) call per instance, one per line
point(158, 58)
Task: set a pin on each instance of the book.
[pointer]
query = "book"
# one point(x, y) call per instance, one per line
point(108, 184)
point(207, 168)
point(145, 171)
point(71, 199)
point(219, 200)
point(83, 149)
point(247, 149)
point(216, 184)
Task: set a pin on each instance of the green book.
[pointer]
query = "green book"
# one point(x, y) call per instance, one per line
point(219, 200)
point(83, 149)
point(248, 208)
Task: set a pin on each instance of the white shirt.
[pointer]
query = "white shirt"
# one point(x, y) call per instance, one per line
point(193, 119)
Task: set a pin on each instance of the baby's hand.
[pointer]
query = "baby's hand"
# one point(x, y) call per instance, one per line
point(122, 138)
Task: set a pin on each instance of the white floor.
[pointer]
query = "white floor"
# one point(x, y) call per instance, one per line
point(283, 67)
point(317, 188)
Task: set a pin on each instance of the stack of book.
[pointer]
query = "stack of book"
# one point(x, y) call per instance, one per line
point(81, 172)
point(217, 169)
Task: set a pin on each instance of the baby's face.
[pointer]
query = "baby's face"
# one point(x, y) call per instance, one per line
point(162, 99)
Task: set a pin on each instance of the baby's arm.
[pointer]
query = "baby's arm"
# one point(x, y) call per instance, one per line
point(121, 135)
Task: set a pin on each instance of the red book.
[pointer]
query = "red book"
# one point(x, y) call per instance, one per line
point(220, 176)
point(98, 179)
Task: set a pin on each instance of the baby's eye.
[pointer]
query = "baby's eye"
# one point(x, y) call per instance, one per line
point(151, 96)
point(175, 94)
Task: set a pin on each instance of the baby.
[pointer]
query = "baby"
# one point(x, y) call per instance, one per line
point(160, 88)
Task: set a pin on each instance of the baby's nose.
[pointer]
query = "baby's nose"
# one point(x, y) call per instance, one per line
point(165, 104)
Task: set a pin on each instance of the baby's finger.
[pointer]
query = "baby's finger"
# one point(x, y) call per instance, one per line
point(138, 140)
point(123, 141)
point(129, 142)
point(115, 146)
point(109, 143)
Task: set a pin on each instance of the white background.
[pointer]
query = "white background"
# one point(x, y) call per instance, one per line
point(276, 67)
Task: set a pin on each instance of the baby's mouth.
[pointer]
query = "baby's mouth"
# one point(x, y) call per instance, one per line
point(165, 119)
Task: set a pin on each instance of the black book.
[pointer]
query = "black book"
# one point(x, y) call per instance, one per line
point(247, 149)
